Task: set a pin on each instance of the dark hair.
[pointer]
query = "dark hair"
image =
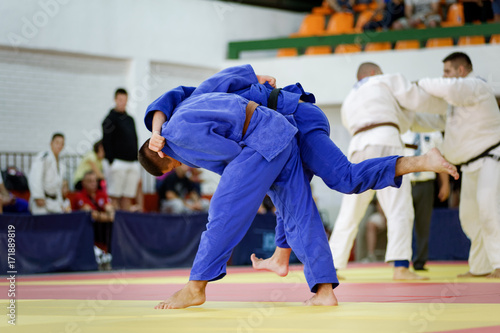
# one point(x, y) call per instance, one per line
point(120, 91)
point(459, 58)
point(56, 135)
point(97, 145)
point(150, 160)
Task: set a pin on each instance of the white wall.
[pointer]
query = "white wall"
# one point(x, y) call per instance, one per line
point(192, 32)
point(42, 93)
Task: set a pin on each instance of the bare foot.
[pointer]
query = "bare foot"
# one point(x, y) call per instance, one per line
point(437, 163)
point(495, 274)
point(278, 263)
point(324, 296)
point(192, 294)
point(403, 273)
point(470, 275)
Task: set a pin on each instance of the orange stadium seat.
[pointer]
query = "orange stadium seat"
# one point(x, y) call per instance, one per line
point(495, 39)
point(471, 40)
point(291, 52)
point(347, 48)
point(407, 45)
point(455, 16)
point(312, 50)
point(382, 46)
point(439, 42)
point(312, 24)
point(340, 23)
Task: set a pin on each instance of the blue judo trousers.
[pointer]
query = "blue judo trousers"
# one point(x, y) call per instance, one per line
point(319, 156)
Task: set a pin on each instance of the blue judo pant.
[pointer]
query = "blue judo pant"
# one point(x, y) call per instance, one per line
point(236, 201)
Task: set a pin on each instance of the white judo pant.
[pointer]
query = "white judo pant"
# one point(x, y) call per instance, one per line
point(396, 203)
point(480, 215)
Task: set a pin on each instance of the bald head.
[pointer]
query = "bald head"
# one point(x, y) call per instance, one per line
point(368, 69)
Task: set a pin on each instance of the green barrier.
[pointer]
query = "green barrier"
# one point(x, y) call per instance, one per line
point(487, 29)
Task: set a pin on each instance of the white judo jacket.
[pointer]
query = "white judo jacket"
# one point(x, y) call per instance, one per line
point(389, 98)
point(473, 117)
point(46, 178)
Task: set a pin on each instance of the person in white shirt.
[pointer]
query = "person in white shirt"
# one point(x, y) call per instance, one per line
point(422, 190)
point(375, 112)
point(46, 179)
point(472, 140)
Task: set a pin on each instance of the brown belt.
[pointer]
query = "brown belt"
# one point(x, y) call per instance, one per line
point(251, 106)
point(369, 127)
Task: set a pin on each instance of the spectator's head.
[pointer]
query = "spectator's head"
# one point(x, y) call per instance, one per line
point(153, 163)
point(368, 69)
point(457, 64)
point(99, 149)
point(121, 98)
point(57, 143)
point(89, 182)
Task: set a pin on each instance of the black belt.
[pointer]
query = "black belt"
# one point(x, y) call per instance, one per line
point(51, 196)
point(485, 153)
point(272, 101)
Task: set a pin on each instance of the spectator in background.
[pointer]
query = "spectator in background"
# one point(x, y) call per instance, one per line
point(120, 147)
point(179, 194)
point(91, 198)
point(391, 11)
point(341, 5)
point(422, 184)
point(94, 200)
point(345, 5)
point(375, 224)
point(46, 179)
point(92, 161)
point(9, 203)
point(418, 12)
point(496, 10)
point(267, 206)
point(478, 10)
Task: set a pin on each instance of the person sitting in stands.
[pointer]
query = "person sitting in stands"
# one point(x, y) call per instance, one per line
point(9, 203)
point(91, 161)
point(94, 200)
point(179, 194)
point(46, 179)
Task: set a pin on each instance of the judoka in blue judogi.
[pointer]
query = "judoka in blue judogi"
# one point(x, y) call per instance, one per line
point(203, 127)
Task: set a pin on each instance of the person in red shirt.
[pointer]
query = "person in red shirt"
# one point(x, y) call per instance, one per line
point(95, 200)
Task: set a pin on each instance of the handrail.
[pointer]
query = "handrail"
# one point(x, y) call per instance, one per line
point(22, 161)
point(486, 29)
